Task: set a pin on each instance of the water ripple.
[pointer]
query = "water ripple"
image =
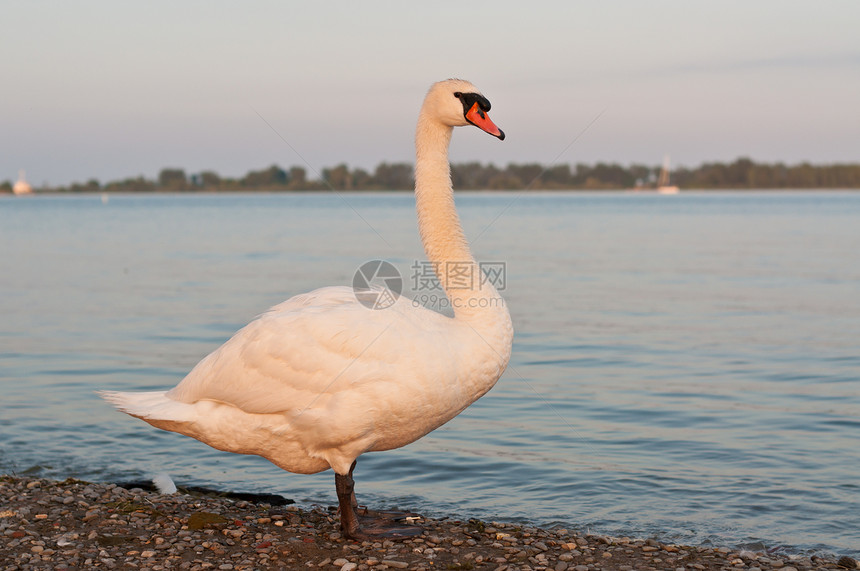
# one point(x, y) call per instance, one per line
point(684, 369)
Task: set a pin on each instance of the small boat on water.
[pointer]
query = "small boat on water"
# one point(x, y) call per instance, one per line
point(663, 185)
point(22, 186)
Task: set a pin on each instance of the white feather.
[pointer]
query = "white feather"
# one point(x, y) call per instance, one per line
point(164, 484)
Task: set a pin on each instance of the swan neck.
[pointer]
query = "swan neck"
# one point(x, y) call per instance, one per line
point(445, 245)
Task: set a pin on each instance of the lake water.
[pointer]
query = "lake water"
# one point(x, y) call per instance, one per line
point(685, 367)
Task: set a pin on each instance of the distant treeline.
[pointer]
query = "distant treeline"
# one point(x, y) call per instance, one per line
point(740, 174)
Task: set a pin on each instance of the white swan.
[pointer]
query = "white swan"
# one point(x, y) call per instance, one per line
point(320, 379)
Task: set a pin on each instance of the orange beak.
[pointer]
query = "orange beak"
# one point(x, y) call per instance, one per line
point(479, 118)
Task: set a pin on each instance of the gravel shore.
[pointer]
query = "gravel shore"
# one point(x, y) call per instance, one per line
point(79, 525)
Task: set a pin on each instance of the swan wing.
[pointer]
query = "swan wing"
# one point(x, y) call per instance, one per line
point(314, 348)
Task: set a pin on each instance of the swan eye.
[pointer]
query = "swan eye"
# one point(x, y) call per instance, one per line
point(458, 95)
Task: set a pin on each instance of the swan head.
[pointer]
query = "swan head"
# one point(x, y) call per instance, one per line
point(455, 103)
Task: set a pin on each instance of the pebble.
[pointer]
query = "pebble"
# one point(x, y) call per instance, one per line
point(96, 525)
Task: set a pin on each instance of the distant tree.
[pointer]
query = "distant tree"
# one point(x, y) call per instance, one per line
point(846, 176)
point(338, 177)
point(558, 176)
point(138, 184)
point(272, 177)
point(230, 184)
point(362, 180)
point(172, 179)
point(209, 180)
point(465, 175)
point(91, 185)
point(763, 176)
point(739, 173)
point(473, 175)
point(529, 175)
point(394, 176)
point(601, 176)
point(298, 178)
point(5, 186)
point(504, 181)
point(801, 176)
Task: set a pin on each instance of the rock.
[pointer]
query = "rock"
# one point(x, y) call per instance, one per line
point(848, 563)
point(340, 562)
point(395, 564)
point(349, 566)
point(199, 520)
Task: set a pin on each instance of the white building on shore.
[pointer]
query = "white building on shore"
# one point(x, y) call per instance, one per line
point(22, 186)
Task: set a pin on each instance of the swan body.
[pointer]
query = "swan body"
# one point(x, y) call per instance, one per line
point(320, 379)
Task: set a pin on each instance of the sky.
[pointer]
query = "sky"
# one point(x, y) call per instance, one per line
point(109, 90)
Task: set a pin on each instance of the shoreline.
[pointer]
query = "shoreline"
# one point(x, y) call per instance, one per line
point(319, 191)
point(80, 525)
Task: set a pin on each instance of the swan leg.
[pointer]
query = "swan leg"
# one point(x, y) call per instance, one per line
point(345, 488)
point(352, 499)
point(378, 524)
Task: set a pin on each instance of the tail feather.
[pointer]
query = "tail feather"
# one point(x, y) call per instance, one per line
point(155, 405)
